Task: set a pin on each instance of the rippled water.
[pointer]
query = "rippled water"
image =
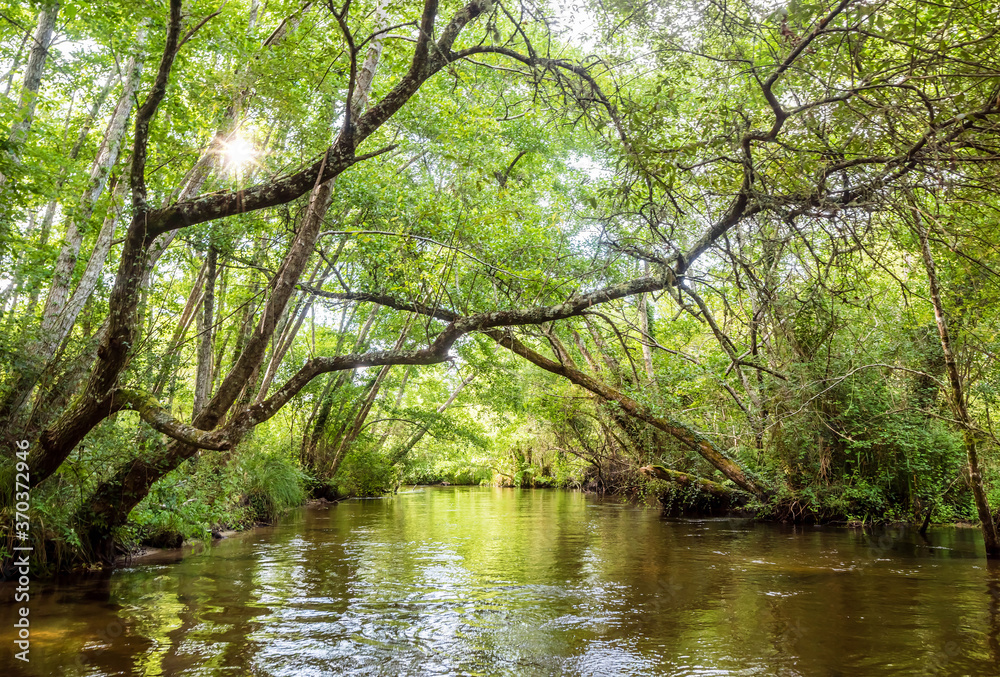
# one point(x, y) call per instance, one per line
point(479, 581)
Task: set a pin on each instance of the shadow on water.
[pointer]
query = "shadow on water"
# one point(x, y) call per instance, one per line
point(481, 581)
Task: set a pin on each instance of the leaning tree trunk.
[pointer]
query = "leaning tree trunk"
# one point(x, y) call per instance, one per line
point(48, 216)
point(685, 480)
point(989, 527)
point(41, 41)
point(645, 310)
point(206, 322)
point(100, 171)
point(9, 75)
point(357, 424)
point(27, 101)
point(169, 360)
point(392, 425)
point(291, 329)
point(316, 430)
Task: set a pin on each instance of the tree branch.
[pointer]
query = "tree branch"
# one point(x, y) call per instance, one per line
point(151, 412)
point(148, 109)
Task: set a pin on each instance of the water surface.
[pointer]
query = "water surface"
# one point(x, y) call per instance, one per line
point(481, 581)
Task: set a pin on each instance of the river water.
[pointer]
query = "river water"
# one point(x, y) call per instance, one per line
point(482, 581)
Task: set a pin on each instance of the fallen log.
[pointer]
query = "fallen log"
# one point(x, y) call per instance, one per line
point(714, 489)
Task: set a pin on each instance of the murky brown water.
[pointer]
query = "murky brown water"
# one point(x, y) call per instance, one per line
point(470, 581)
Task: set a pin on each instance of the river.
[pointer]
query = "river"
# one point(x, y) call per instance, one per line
point(483, 581)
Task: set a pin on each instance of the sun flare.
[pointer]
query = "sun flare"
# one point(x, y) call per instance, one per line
point(238, 153)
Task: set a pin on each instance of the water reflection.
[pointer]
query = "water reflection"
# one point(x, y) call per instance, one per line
point(470, 581)
point(993, 594)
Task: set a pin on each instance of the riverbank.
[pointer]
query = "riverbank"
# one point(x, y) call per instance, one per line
point(155, 555)
point(152, 555)
point(171, 546)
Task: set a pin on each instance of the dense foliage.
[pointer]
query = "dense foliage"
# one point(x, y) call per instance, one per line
point(259, 250)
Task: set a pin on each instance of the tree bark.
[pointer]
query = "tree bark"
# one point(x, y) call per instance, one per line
point(59, 439)
point(41, 41)
point(203, 376)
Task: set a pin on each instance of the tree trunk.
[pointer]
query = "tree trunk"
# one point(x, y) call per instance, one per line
point(400, 391)
point(58, 440)
point(351, 434)
point(339, 381)
point(290, 331)
point(169, 360)
point(206, 322)
point(686, 480)
point(41, 41)
point(9, 75)
point(100, 170)
point(647, 351)
point(989, 527)
point(113, 500)
point(45, 229)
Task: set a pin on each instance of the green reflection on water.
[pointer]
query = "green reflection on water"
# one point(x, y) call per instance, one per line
point(478, 581)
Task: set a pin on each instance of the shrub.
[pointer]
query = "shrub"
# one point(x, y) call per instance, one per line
point(365, 472)
point(273, 483)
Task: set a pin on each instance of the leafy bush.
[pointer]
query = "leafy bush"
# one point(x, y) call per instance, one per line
point(365, 472)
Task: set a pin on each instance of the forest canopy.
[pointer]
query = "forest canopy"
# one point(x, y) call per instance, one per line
point(706, 251)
